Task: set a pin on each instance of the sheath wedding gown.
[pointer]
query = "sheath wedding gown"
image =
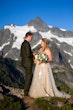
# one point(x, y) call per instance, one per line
point(43, 83)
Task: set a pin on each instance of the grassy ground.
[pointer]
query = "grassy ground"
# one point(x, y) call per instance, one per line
point(9, 103)
point(54, 104)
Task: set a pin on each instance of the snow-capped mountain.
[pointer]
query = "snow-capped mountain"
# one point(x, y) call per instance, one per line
point(61, 40)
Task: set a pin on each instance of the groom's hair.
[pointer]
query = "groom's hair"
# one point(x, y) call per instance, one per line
point(28, 34)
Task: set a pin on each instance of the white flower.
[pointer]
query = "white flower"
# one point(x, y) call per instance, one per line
point(36, 56)
point(41, 57)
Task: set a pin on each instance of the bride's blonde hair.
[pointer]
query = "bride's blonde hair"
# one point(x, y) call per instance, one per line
point(46, 41)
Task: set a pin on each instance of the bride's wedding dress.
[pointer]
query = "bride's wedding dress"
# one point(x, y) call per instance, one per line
point(43, 83)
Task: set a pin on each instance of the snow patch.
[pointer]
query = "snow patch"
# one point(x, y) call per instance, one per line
point(16, 59)
point(6, 54)
point(69, 61)
point(50, 26)
point(19, 32)
point(71, 66)
point(58, 44)
point(49, 36)
point(5, 44)
point(63, 29)
point(36, 44)
point(68, 53)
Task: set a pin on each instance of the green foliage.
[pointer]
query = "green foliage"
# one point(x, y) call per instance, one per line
point(66, 89)
point(43, 104)
point(56, 99)
point(51, 105)
point(9, 103)
point(9, 75)
point(16, 63)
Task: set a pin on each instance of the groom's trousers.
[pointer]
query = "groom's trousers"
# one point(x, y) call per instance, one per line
point(28, 79)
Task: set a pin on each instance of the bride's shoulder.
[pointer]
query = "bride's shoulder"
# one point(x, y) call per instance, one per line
point(48, 50)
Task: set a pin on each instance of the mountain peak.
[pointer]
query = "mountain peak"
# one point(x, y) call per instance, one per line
point(38, 19)
point(39, 24)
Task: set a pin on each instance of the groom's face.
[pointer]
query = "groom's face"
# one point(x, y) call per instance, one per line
point(30, 38)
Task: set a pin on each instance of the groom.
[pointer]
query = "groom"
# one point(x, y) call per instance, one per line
point(27, 61)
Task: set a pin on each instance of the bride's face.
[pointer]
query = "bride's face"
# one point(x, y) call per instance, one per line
point(43, 45)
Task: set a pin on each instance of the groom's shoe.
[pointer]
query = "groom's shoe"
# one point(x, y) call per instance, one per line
point(25, 96)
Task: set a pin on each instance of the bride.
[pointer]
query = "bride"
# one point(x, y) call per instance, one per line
point(43, 83)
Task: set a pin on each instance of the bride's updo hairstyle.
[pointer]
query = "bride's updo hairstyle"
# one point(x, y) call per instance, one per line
point(46, 42)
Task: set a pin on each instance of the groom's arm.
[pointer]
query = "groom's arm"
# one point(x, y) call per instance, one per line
point(28, 51)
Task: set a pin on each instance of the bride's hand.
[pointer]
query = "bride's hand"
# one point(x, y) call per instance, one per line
point(35, 61)
point(39, 62)
point(34, 53)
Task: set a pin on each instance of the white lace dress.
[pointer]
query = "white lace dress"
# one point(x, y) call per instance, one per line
point(43, 83)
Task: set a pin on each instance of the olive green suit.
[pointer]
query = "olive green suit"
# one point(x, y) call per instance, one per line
point(27, 62)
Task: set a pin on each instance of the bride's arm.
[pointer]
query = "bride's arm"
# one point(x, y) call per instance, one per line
point(41, 50)
point(49, 55)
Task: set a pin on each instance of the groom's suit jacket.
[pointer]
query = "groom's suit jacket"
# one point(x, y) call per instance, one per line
point(26, 54)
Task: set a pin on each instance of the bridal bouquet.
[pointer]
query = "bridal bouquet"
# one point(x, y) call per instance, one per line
point(41, 57)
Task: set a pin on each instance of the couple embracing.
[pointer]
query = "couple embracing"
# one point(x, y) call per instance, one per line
point(39, 83)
